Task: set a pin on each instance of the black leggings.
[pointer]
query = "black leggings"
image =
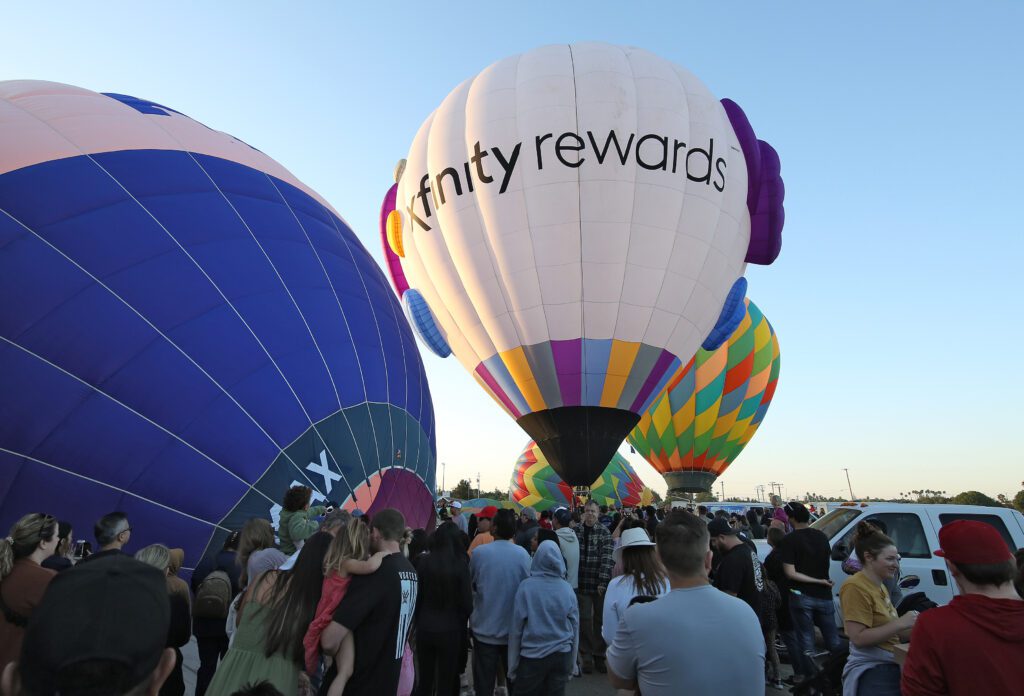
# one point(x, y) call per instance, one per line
point(438, 655)
point(211, 649)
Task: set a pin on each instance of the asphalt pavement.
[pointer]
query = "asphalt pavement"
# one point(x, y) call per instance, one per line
point(586, 685)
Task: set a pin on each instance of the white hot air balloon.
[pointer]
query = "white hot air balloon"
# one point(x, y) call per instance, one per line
point(575, 222)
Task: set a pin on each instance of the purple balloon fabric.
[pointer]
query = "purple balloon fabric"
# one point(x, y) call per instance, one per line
point(394, 264)
point(765, 189)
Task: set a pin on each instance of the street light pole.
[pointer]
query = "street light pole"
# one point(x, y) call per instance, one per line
point(443, 489)
point(849, 485)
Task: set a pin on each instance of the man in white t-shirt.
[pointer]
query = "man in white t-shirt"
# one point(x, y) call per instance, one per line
point(661, 647)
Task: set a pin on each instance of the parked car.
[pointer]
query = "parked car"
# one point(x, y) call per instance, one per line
point(915, 530)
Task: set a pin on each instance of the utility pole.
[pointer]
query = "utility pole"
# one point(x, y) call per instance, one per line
point(723, 490)
point(772, 486)
point(849, 485)
point(442, 479)
point(479, 493)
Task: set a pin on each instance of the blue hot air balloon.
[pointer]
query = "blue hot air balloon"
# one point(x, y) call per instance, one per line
point(187, 330)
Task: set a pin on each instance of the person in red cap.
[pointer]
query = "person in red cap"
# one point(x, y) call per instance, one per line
point(975, 644)
point(483, 528)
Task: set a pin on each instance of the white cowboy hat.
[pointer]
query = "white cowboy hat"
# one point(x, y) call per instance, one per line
point(632, 538)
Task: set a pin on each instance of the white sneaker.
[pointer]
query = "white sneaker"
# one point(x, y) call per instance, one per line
point(500, 691)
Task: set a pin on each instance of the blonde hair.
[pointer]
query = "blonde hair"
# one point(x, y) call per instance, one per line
point(351, 542)
point(26, 534)
point(156, 555)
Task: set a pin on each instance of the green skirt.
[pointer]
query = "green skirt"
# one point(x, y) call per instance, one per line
point(246, 662)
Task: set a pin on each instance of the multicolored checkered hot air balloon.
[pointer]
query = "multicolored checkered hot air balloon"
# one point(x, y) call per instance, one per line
point(536, 484)
point(712, 407)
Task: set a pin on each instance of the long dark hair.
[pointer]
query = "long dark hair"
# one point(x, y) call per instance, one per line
point(419, 543)
point(648, 574)
point(293, 599)
point(257, 534)
point(439, 570)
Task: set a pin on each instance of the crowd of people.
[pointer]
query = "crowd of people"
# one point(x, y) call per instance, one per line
point(662, 601)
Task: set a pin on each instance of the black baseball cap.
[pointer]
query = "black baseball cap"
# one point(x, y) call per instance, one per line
point(720, 526)
point(114, 610)
point(563, 516)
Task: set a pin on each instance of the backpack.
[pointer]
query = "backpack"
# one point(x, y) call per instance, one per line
point(213, 597)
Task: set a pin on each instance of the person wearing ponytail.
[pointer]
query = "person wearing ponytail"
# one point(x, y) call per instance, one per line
point(871, 621)
point(23, 580)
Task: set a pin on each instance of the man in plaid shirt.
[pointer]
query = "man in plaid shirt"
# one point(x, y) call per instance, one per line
point(596, 563)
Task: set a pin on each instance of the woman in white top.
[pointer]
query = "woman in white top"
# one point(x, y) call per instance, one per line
point(642, 575)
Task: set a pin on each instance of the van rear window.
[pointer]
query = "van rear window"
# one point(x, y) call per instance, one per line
point(832, 523)
point(993, 520)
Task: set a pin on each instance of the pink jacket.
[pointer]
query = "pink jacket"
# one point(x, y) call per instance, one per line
point(333, 590)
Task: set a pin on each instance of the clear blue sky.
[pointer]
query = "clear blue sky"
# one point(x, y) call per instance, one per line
point(895, 298)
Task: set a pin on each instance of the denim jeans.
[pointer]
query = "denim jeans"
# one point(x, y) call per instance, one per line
point(487, 660)
point(883, 680)
point(543, 676)
point(808, 612)
point(792, 647)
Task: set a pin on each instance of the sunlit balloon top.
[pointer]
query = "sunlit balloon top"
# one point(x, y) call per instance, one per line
point(573, 223)
point(711, 407)
point(536, 484)
point(186, 330)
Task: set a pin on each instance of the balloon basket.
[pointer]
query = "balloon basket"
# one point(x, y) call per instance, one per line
point(581, 495)
point(682, 482)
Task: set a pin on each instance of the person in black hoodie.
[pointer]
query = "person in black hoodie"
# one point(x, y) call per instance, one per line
point(443, 606)
point(159, 556)
point(211, 636)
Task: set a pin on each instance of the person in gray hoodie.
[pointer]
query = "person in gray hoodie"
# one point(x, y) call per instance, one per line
point(569, 545)
point(544, 636)
point(496, 570)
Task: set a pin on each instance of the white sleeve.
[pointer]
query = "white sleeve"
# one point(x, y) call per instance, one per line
point(613, 599)
point(621, 654)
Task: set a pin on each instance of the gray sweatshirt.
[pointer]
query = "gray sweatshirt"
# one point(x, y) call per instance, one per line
point(496, 569)
point(570, 546)
point(545, 615)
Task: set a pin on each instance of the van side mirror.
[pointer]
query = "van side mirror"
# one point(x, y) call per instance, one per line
point(840, 552)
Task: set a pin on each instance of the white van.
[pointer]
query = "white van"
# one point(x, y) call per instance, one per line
point(915, 530)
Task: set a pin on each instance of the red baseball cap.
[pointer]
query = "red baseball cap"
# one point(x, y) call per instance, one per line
point(487, 513)
point(971, 542)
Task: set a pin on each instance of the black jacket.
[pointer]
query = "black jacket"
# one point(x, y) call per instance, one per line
point(224, 560)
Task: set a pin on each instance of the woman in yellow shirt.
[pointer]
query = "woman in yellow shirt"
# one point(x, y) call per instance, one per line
point(871, 622)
